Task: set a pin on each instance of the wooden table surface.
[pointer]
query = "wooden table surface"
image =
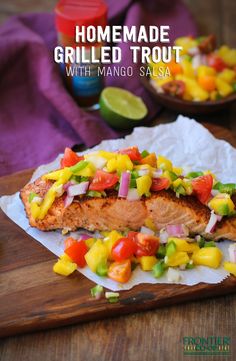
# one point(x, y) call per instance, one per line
point(154, 335)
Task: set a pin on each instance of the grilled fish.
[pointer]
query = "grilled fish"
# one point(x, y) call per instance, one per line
point(111, 212)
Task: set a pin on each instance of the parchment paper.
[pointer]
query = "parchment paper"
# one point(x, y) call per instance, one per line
point(186, 143)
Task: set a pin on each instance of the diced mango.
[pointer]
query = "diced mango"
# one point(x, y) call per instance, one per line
point(120, 163)
point(222, 204)
point(164, 163)
point(188, 70)
point(63, 174)
point(223, 87)
point(97, 255)
point(186, 42)
point(228, 55)
point(162, 80)
point(150, 224)
point(110, 240)
point(48, 199)
point(147, 262)
point(64, 268)
point(177, 259)
point(150, 159)
point(88, 171)
point(207, 256)
point(183, 246)
point(203, 70)
point(178, 170)
point(230, 267)
point(90, 242)
point(192, 88)
point(143, 184)
point(213, 95)
point(228, 75)
point(106, 155)
point(35, 210)
point(64, 257)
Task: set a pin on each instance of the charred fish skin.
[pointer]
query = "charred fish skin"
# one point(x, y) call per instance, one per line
point(111, 212)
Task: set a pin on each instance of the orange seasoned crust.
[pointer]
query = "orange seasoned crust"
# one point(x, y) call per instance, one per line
point(112, 212)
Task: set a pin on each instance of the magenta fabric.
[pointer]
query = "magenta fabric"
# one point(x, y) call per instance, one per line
point(38, 118)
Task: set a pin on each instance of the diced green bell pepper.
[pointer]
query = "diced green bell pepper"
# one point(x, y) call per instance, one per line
point(192, 175)
point(170, 248)
point(161, 253)
point(159, 269)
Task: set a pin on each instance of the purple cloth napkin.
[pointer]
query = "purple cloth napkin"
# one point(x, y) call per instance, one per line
point(38, 118)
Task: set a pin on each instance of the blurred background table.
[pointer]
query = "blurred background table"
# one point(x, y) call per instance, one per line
point(155, 335)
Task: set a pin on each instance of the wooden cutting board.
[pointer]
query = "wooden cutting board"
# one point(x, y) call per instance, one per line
point(32, 297)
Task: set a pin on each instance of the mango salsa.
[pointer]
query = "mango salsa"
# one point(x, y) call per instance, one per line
point(97, 255)
point(207, 256)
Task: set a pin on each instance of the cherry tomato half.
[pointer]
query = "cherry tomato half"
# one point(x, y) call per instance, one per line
point(123, 249)
point(76, 252)
point(69, 241)
point(202, 187)
point(132, 152)
point(120, 271)
point(70, 158)
point(103, 180)
point(216, 62)
point(159, 183)
point(147, 245)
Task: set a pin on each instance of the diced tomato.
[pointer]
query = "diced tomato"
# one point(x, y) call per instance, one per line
point(147, 245)
point(202, 187)
point(70, 158)
point(159, 183)
point(103, 180)
point(123, 249)
point(69, 241)
point(120, 271)
point(132, 152)
point(216, 62)
point(76, 252)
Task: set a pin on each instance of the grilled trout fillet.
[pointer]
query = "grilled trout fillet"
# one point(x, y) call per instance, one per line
point(109, 213)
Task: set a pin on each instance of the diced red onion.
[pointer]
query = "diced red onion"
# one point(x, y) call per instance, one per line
point(197, 61)
point(177, 230)
point(133, 195)
point(163, 236)
point(68, 184)
point(214, 192)
point(124, 185)
point(232, 253)
point(212, 223)
point(193, 51)
point(143, 171)
point(204, 59)
point(219, 218)
point(83, 237)
point(147, 230)
point(77, 189)
point(37, 200)
point(157, 173)
point(67, 201)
